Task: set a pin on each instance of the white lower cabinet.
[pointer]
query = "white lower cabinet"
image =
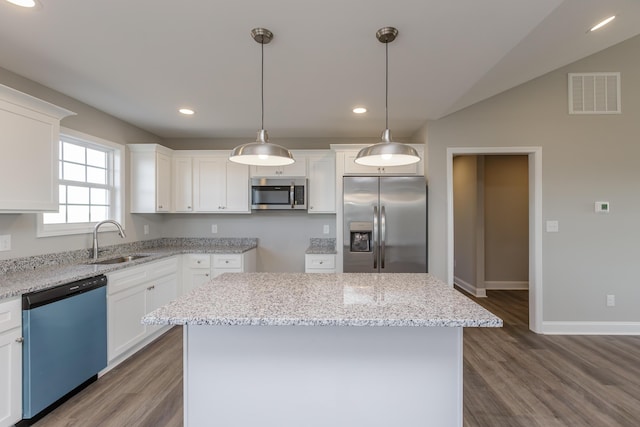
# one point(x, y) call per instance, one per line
point(132, 293)
point(319, 263)
point(10, 362)
point(200, 268)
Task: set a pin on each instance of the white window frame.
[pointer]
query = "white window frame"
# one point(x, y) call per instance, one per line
point(118, 198)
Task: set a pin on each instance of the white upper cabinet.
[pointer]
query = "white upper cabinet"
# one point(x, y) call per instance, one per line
point(220, 185)
point(29, 134)
point(322, 183)
point(297, 169)
point(150, 178)
point(183, 184)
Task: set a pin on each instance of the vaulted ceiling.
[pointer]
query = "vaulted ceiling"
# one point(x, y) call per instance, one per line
point(141, 60)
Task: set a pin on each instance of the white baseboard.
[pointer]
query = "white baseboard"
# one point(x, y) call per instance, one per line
point(469, 288)
point(590, 328)
point(505, 285)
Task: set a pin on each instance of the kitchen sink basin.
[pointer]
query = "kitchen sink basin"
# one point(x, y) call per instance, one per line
point(120, 259)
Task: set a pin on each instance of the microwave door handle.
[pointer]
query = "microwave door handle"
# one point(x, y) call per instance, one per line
point(292, 194)
point(375, 237)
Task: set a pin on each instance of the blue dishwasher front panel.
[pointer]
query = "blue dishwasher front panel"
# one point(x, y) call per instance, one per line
point(65, 344)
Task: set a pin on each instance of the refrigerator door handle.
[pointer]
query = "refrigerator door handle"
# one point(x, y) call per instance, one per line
point(374, 237)
point(383, 234)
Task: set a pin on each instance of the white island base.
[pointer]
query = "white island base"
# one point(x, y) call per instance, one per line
point(322, 376)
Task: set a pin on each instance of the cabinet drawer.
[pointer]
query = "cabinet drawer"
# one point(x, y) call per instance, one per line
point(124, 279)
point(227, 261)
point(10, 314)
point(320, 261)
point(198, 260)
point(132, 276)
point(162, 268)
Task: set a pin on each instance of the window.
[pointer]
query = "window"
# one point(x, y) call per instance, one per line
point(89, 182)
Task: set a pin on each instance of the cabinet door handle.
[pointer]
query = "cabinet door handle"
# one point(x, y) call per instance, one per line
point(160, 207)
point(198, 261)
point(20, 339)
point(206, 274)
point(150, 288)
point(189, 207)
point(226, 262)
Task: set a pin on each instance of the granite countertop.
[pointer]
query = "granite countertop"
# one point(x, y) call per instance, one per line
point(319, 246)
point(347, 299)
point(35, 273)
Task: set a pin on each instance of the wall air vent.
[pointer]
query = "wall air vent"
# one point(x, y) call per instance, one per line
point(594, 93)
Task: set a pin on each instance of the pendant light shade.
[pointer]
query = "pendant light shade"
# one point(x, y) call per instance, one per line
point(387, 152)
point(261, 152)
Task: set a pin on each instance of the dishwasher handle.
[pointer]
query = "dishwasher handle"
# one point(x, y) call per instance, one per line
point(36, 299)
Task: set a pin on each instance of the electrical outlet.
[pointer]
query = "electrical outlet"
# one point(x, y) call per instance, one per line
point(146, 229)
point(325, 229)
point(611, 300)
point(5, 242)
point(214, 228)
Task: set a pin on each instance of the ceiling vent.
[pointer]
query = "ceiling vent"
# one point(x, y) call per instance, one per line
point(594, 93)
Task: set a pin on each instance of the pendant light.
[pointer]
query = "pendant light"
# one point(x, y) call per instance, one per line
point(261, 152)
point(387, 152)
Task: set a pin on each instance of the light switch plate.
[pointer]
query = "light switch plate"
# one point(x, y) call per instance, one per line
point(553, 226)
point(146, 229)
point(325, 229)
point(214, 228)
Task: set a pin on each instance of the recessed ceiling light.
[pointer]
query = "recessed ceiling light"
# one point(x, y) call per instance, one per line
point(359, 110)
point(187, 111)
point(603, 23)
point(24, 3)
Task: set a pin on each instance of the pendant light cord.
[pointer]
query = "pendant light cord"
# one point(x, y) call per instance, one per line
point(386, 86)
point(262, 85)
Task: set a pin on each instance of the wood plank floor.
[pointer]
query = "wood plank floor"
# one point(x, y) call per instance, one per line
point(145, 391)
point(512, 378)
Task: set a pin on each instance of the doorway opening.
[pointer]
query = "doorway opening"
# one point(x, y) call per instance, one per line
point(534, 160)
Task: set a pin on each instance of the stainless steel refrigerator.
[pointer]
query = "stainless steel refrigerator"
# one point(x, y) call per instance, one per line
point(385, 224)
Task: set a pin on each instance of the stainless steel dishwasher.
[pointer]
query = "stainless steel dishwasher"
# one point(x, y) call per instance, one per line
point(65, 343)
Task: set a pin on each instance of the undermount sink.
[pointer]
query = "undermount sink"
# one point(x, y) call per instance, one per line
point(120, 259)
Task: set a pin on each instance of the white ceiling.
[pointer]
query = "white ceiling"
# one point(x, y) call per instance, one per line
point(141, 60)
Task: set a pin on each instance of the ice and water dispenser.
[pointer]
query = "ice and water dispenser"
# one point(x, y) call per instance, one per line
point(361, 235)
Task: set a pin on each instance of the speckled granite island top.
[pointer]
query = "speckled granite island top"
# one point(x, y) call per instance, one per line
point(348, 299)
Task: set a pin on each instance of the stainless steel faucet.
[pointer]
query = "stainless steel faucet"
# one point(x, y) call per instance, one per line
point(95, 234)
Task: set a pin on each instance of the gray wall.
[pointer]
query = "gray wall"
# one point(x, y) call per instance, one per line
point(584, 159)
point(465, 218)
point(22, 227)
point(283, 236)
point(506, 219)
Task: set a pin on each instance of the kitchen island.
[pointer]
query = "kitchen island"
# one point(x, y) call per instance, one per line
point(294, 349)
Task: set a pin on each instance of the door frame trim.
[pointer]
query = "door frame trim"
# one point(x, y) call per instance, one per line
point(535, 221)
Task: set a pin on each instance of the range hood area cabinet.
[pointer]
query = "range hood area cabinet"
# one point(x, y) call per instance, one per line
point(29, 135)
point(295, 170)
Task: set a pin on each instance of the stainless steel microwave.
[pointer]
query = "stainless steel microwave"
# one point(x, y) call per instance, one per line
point(279, 193)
